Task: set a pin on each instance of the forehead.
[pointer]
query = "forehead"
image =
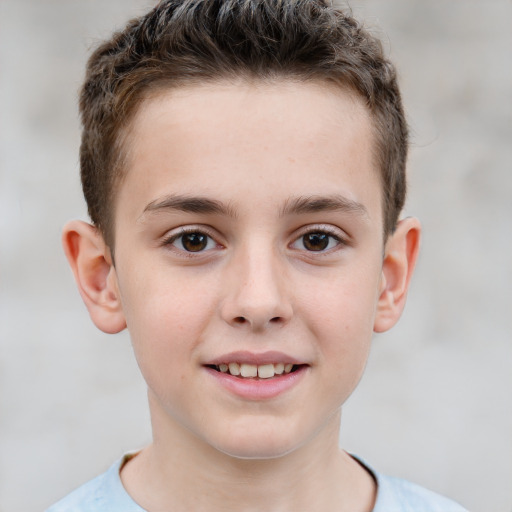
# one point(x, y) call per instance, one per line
point(215, 137)
point(307, 107)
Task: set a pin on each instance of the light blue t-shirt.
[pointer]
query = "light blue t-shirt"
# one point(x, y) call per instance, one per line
point(106, 494)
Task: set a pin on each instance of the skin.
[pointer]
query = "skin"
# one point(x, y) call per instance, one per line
point(266, 165)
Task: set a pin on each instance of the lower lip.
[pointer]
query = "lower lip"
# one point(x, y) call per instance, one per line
point(258, 389)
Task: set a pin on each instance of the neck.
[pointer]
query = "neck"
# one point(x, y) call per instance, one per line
point(178, 471)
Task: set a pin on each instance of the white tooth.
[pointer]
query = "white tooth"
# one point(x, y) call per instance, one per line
point(223, 368)
point(234, 368)
point(278, 368)
point(266, 371)
point(288, 368)
point(248, 370)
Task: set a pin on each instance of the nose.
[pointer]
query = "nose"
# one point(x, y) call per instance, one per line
point(257, 291)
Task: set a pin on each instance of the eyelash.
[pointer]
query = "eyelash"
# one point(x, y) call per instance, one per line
point(170, 240)
point(322, 230)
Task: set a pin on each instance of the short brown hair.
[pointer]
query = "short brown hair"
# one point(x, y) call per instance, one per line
point(188, 42)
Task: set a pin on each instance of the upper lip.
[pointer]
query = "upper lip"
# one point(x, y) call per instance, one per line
point(247, 357)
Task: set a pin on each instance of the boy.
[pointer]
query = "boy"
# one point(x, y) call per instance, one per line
point(243, 163)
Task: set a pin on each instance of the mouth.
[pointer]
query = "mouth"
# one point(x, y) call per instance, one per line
point(254, 371)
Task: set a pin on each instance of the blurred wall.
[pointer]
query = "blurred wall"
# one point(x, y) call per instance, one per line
point(435, 405)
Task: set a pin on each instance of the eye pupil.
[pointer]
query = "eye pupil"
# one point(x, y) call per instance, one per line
point(194, 242)
point(316, 241)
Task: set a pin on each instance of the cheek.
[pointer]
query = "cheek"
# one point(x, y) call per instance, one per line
point(344, 306)
point(341, 317)
point(164, 301)
point(165, 318)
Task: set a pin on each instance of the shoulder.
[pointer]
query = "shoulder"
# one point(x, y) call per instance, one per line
point(397, 495)
point(103, 493)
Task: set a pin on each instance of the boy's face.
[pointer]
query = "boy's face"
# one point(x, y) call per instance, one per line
point(249, 231)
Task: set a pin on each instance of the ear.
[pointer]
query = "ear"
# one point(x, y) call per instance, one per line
point(95, 275)
point(400, 256)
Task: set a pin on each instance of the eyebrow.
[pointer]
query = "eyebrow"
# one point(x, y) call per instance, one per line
point(334, 203)
point(293, 206)
point(190, 204)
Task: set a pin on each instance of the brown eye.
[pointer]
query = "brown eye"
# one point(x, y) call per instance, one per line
point(194, 242)
point(316, 241)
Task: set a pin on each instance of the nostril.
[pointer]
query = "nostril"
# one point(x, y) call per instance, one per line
point(247, 320)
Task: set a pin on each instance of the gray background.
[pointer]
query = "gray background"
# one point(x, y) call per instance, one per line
point(435, 405)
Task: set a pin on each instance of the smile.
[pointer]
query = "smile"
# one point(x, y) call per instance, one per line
point(256, 377)
point(252, 371)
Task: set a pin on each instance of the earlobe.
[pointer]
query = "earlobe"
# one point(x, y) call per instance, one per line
point(399, 261)
point(95, 275)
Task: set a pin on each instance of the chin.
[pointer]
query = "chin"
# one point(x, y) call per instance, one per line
point(264, 452)
point(258, 443)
